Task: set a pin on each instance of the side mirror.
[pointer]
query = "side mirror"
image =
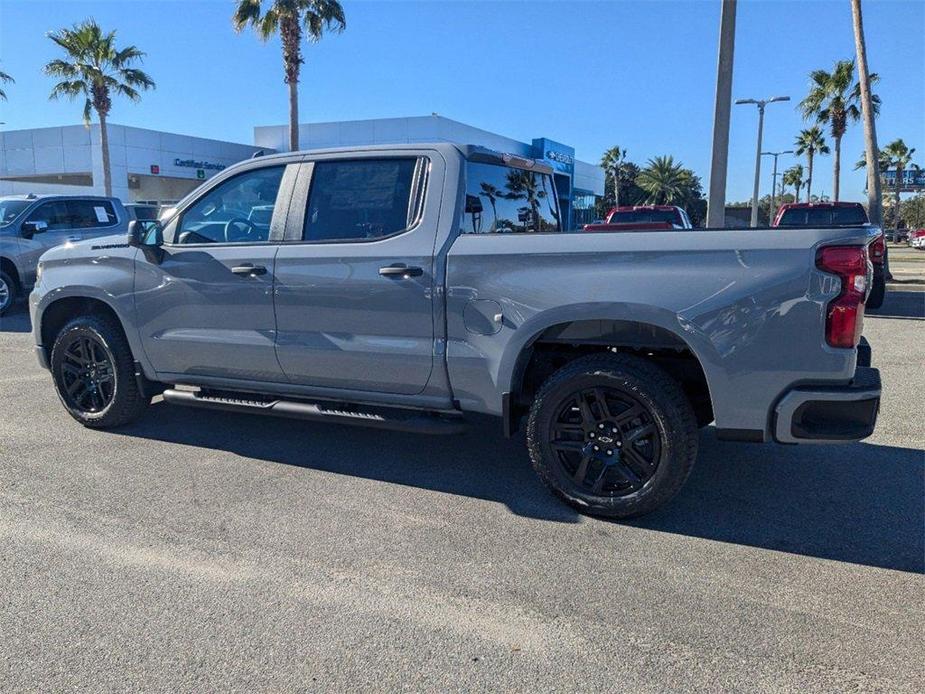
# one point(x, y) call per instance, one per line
point(145, 233)
point(30, 229)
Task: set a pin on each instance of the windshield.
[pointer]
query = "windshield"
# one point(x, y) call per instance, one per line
point(823, 216)
point(641, 216)
point(11, 209)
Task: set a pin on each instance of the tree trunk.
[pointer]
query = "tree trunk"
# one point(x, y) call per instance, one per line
point(899, 185)
point(616, 186)
point(293, 116)
point(809, 179)
point(104, 144)
point(836, 168)
point(874, 200)
point(291, 35)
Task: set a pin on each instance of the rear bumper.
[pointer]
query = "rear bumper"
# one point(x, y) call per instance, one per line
point(830, 414)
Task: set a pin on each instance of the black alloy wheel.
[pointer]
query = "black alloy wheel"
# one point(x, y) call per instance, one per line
point(87, 374)
point(606, 441)
point(94, 373)
point(612, 435)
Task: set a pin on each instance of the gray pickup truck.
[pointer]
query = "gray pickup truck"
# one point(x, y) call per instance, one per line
point(31, 224)
point(404, 286)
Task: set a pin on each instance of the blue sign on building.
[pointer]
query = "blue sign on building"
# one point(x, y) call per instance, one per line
point(562, 160)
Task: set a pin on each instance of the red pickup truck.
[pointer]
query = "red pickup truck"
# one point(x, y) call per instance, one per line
point(816, 214)
point(643, 218)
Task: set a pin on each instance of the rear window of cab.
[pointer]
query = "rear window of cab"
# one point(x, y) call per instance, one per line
point(823, 216)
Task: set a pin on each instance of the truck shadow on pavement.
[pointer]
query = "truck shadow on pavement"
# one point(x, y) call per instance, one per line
point(901, 304)
point(859, 503)
point(16, 321)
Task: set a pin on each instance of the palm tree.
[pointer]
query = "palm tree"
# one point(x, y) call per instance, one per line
point(833, 99)
point(5, 79)
point(95, 69)
point(897, 155)
point(665, 182)
point(492, 192)
point(521, 185)
point(794, 177)
point(810, 142)
point(868, 111)
point(613, 161)
point(290, 18)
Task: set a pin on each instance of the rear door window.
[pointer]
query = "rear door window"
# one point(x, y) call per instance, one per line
point(502, 199)
point(363, 199)
point(90, 214)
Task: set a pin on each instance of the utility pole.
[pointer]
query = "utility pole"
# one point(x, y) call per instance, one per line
point(871, 152)
point(774, 176)
point(716, 206)
point(760, 103)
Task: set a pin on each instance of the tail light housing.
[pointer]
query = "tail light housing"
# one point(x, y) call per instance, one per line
point(877, 249)
point(844, 318)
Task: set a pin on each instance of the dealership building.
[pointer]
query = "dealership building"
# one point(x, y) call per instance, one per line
point(154, 166)
point(146, 165)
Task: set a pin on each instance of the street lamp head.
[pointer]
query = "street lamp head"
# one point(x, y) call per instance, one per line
point(778, 98)
point(746, 101)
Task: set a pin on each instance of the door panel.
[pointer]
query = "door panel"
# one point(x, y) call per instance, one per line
point(344, 322)
point(205, 299)
point(196, 316)
point(343, 325)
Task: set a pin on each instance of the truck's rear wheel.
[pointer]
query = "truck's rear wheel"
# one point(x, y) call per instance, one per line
point(612, 435)
point(94, 373)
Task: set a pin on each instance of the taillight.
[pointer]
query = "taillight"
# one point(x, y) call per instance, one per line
point(877, 249)
point(844, 318)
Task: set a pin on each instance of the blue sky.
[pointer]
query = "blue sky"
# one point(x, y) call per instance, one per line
point(591, 74)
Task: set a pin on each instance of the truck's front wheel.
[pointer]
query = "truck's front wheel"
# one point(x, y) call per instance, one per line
point(612, 435)
point(94, 373)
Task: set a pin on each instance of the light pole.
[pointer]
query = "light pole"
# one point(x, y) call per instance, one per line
point(774, 177)
point(760, 103)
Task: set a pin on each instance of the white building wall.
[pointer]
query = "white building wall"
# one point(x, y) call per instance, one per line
point(384, 131)
point(75, 149)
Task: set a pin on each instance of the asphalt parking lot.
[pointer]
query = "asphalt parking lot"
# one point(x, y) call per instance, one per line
point(205, 551)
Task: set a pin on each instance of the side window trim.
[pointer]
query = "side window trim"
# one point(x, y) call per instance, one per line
point(277, 221)
point(299, 207)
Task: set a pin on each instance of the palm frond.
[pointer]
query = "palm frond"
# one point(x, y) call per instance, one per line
point(246, 12)
point(70, 89)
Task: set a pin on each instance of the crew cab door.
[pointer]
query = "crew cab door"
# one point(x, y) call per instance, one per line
point(355, 277)
point(204, 300)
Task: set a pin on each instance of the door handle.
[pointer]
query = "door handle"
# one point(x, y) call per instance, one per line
point(400, 270)
point(249, 270)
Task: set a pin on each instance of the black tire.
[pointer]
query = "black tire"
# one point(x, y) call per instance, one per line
point(877, 293)
point(114, 396)
point(658, 415)
point(9, 291)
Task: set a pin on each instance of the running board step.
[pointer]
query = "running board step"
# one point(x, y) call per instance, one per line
point(379, 417)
